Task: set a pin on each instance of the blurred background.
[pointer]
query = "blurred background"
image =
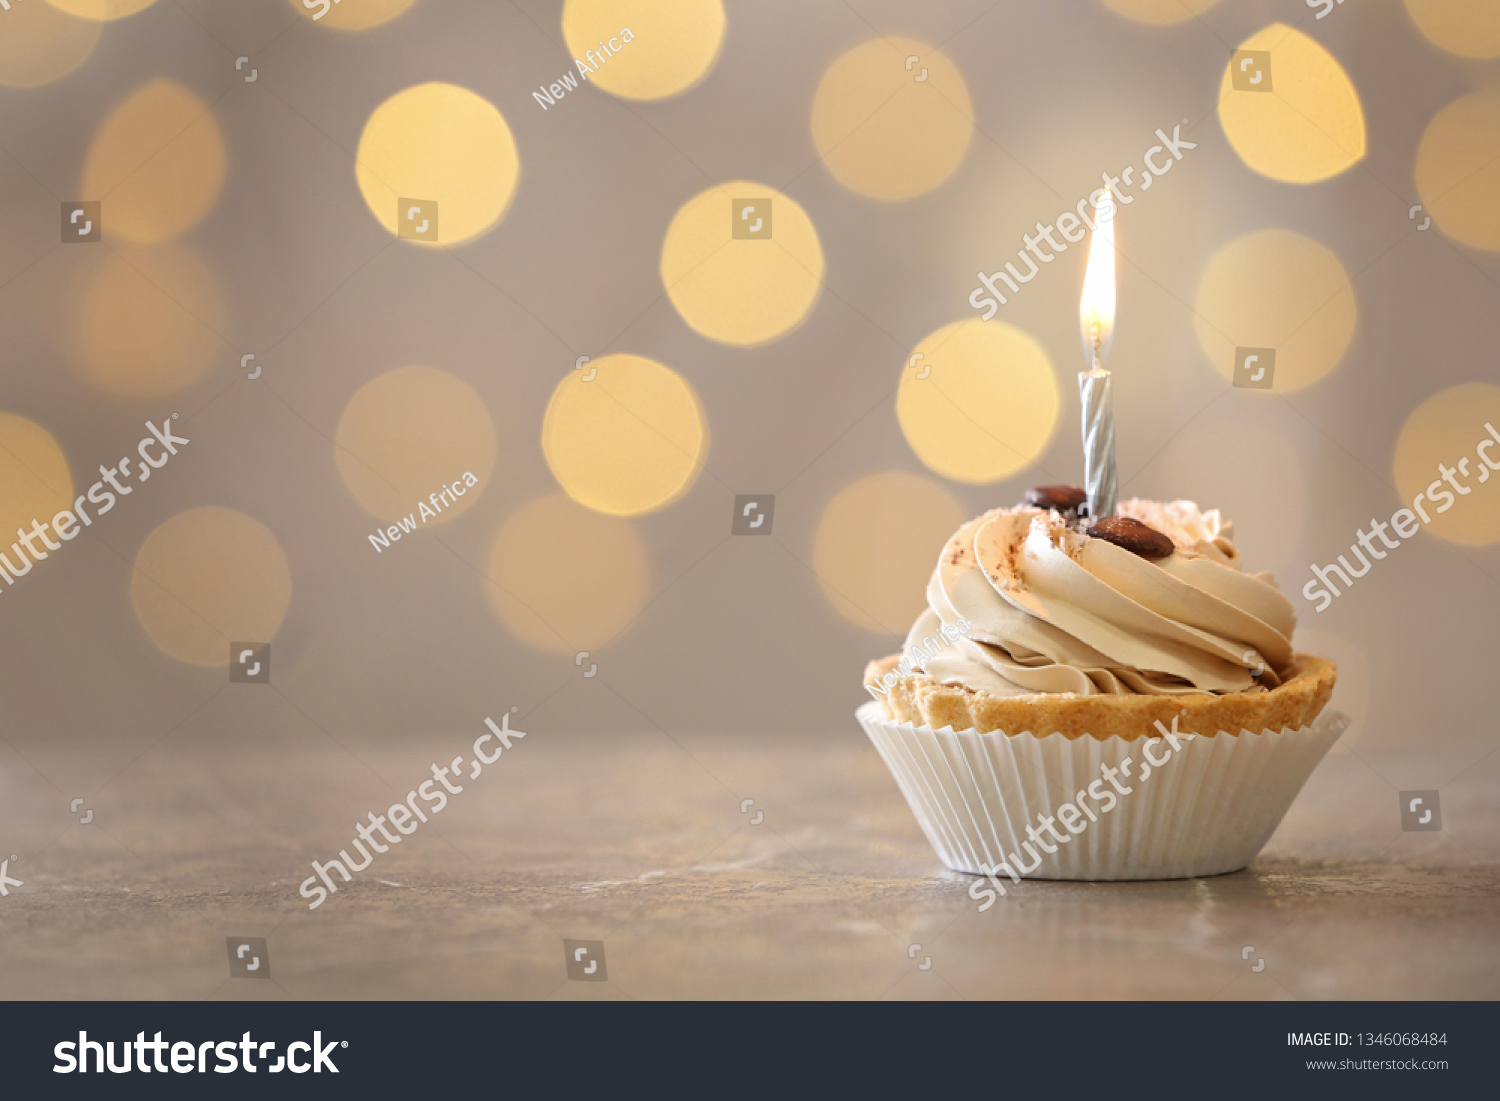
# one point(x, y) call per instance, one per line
point(258, 275)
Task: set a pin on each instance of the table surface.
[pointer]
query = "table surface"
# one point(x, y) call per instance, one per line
point(640, 842)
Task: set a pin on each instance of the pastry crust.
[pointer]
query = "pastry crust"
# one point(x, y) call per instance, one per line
point(1295, 703)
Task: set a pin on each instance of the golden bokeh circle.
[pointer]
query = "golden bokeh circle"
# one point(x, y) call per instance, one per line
point(741, 291)
point(35, 483)
point(350, 15)
point(624, 435)
point(147, 321)
point(409, 434)
point(157, 162)
point(1160, 12)
point(42, 44)
point(100, 10)
point(876, 544)
point(883, 132)
point(1458, 169)
point(1468, 28)
point(1310, 126)
point(206, 578)
point(441, 143)
point(563, 578)
point(1276, 289)
point(978, 400)
point(673, 45)
point(1450, 428)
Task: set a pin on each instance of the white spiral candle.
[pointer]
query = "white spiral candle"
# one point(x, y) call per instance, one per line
point(1099, 478)
point(1096, 323)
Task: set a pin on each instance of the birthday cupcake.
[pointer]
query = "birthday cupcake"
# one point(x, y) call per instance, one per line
point(1115, 700)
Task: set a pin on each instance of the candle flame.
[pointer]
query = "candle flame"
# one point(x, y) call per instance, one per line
point(1096, 310)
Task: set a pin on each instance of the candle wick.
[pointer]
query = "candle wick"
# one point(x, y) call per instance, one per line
point(1094, 337)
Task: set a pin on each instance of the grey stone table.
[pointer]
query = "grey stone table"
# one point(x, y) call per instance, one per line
point(640, 842)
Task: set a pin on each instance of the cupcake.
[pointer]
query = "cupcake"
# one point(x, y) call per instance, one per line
point(1116, 701)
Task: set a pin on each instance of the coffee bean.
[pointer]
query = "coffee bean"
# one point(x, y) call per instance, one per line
point(1061, 498)
point(1134, 536)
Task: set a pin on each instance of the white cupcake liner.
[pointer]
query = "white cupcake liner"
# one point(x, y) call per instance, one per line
point(1208, 810)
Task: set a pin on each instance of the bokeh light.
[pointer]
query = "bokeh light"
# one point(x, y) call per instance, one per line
point(206, 578)
point(978, 400)
point(147, 321)
point(1449, 429)
point(629, 439)
point(442, 143)
point(563, 578)
point(1159, 11)
point(42, 44)
point(410, 433)
point(876, 545)
point(674, 43)
point(745, 291)
point(1276, 289)
point(35, 483)
point(1310, 126)
point(1468, 28)
point(101, 10)
point(158, 162)
point(884, 133)
point(350, 15)
point(1458, 169)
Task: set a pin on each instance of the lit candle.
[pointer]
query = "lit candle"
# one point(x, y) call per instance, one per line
point(1096, 323)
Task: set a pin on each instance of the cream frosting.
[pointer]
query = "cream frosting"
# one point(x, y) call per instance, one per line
point(1049, 609)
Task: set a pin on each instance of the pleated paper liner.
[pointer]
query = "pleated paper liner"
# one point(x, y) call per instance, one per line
point(1207, 808)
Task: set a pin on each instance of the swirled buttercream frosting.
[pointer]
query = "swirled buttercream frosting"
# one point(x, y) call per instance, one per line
point(1022, 603)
